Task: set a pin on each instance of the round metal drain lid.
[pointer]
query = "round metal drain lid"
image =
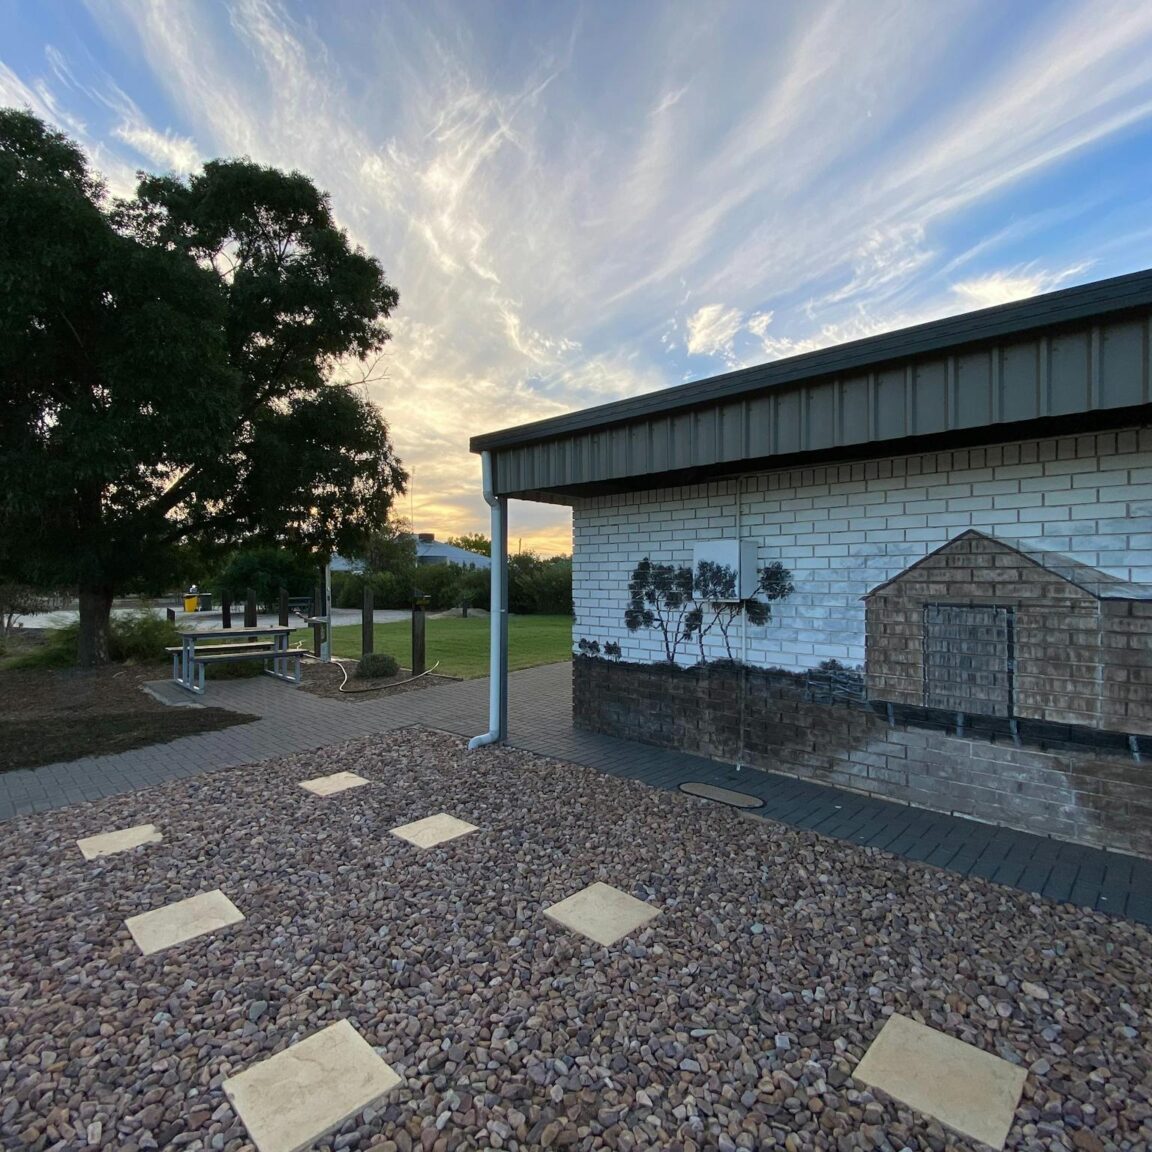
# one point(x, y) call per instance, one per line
point(722, 795)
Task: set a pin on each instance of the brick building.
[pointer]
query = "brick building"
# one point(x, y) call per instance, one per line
point(950, 528)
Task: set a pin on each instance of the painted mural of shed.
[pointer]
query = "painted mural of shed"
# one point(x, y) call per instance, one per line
point(987, 627)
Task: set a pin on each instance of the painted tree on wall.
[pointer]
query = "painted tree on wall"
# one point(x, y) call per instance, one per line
point(684, 605)
point(716, 605)
point(659, 596)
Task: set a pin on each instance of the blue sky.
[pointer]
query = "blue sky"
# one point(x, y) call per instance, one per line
point(581, 202)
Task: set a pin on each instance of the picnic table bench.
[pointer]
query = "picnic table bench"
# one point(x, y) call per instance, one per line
point(222, 645)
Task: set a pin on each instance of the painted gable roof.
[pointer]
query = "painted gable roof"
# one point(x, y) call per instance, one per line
point(1100, 585)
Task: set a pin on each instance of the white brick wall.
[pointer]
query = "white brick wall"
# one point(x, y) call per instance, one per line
point(843, 529)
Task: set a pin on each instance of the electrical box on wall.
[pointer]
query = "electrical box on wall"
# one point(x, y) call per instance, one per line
point(724, 570)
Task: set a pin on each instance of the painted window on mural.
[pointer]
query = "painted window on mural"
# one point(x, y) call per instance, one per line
point(968, 657)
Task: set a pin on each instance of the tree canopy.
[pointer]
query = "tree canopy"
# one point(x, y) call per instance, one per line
point(168, 371)
point(473, 542)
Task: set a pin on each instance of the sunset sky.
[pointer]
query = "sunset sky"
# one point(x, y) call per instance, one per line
point(582, 201)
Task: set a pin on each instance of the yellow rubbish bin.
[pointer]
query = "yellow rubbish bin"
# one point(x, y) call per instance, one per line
point(191, 603)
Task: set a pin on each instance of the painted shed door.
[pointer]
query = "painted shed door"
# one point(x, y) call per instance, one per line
point(968, 659)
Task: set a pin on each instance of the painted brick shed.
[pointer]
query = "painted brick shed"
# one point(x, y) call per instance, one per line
point(942, 541)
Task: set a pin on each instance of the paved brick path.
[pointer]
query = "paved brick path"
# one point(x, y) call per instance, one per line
point(540, 720)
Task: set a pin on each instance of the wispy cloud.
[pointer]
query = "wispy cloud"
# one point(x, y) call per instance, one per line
point(1014, 284)
point(712, 330)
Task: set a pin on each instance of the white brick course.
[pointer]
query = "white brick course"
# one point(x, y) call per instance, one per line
point(844, 528)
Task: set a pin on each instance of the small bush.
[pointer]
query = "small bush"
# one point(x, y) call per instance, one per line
point(377, 666)
point(141, 637)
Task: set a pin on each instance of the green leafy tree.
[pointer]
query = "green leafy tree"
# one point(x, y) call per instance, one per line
point(391, 547)
point(267, 569)
point(473, 542)
point(167, 372)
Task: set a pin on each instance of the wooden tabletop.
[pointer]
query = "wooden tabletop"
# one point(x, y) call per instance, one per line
point(220, 633)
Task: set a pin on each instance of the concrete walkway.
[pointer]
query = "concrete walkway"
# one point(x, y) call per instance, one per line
point(540, 720)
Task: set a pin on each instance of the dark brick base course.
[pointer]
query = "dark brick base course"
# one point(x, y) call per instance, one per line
point(768, 719)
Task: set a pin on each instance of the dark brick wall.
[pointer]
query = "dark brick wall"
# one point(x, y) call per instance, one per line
point(788, 726)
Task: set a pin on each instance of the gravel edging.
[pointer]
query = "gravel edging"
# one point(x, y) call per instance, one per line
point(733, 1020)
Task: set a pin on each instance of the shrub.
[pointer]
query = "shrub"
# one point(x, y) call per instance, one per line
point(377, 666)
point(139, 637)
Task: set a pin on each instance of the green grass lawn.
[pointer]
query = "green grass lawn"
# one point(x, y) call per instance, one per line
point(461, 645)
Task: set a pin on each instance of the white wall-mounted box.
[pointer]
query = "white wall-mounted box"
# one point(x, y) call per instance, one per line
point(736, 558)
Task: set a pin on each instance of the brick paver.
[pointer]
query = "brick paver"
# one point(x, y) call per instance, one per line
point(540, 720)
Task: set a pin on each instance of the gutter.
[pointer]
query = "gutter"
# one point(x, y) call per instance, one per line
point(498, 615)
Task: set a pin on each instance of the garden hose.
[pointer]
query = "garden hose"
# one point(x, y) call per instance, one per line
point(361, 691)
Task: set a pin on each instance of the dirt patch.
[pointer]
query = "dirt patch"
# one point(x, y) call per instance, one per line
point(326, 679)
point(47, 715)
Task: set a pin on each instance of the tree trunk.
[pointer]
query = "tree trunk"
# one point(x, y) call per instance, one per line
point(95, 610)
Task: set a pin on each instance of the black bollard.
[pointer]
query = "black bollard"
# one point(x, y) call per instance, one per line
point(283, 607)
point(225, 609)
point(367, 623)
point(250, 609)
point(318, 629)
point(418, 637)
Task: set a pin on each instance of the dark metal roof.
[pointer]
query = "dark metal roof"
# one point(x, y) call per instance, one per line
point(1085, 303)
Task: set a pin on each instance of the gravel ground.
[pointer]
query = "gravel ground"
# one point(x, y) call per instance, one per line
point(733, 1021)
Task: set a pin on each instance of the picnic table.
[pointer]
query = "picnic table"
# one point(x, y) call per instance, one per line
point(220, 645)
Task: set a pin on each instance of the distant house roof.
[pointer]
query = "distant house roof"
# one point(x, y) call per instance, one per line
point(1091, 580)
point(429, 550)
point(1065, 361)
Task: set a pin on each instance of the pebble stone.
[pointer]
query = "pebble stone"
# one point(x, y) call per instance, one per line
point(695, 1033)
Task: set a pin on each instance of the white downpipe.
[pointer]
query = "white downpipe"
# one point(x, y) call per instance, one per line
point(498, 613)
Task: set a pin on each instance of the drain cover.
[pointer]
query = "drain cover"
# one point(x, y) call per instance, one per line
point(722, 795)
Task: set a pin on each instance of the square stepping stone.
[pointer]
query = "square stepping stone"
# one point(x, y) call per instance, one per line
point(109, 843)
point(185, 920)
point(602, 913)
point(293, 1099)
point(433, 830)
point(964, 1087)
point(330, 785)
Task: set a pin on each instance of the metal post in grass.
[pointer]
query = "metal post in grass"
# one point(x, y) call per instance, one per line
point(225, 608)
point(250, 608)
point(418, 635)
point(283, 607)
point(367, 622)
point(317, 627)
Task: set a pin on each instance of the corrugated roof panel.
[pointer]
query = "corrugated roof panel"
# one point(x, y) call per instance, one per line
point(821, 416)
point(973, 390)
point(683, 440)
point(890, 410)
point(788, 430)
point(856, 413)
point(1124, 364)
point(760, 423)
point(1068, 373)
point(1020, 381)
point(929, 398)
